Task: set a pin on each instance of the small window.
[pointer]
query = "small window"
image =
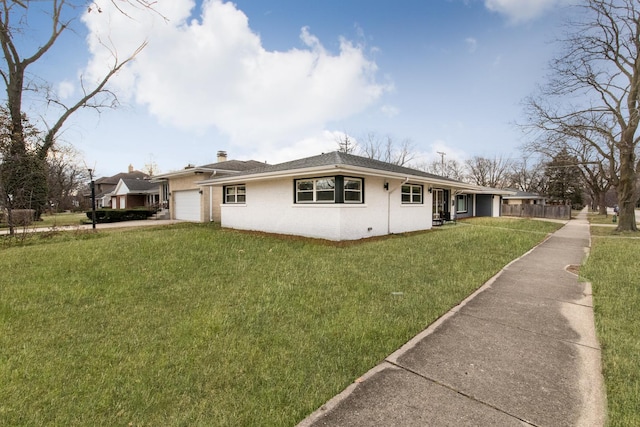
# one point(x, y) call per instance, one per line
point(461, 203)
point(352, 190)
point(235, 194)
point(320, 190)
point(411, 193)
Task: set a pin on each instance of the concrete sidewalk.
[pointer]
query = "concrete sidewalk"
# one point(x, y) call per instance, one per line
point(520, 351)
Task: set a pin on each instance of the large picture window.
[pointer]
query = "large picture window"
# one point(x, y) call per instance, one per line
point(317, 190)
point(235, 194)
point(333, 189)
point(411, 193)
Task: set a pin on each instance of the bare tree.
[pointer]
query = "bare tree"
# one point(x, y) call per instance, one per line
point(66, 177)
point(373, 146)
point(594, 94)
point(580, 140)
point(346, 144)
point(453, 169)
point(14, 72)
point(386, 149)
point(527, 177)
point(488, 172)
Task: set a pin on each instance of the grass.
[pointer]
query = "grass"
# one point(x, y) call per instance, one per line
point(63, 219)
point(536, 226)
point(599, 219)
point(56, 220)
point(193, 325)
point(612, 268)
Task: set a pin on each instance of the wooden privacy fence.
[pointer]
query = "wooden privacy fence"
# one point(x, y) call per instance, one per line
point(538, 211)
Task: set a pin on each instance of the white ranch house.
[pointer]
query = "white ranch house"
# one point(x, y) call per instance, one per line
point(338, 196)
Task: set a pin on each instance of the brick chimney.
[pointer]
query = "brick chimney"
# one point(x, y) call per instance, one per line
point(222, 156)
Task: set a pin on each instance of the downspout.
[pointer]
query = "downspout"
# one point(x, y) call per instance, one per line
point(454, 205)
point(389, 203)
point(211, 198)
point(210, 204)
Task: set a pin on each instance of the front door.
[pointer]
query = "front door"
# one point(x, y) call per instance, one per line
point(438, 203)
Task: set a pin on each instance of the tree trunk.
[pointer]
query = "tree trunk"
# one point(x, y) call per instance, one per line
point(602, 203)
point(626, 191)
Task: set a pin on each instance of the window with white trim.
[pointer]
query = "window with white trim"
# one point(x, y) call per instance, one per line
point(352, 190)
point(329, 189)
point(317, 190)
point(235, 194)
point(411, 193)
point(461, 203)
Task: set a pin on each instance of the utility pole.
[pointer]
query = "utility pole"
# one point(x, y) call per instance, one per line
point(442, 154)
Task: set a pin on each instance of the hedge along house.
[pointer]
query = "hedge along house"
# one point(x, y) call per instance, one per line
point(338, 196)
point(181, 198)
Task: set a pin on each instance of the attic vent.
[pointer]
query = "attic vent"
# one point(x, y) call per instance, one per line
point(190, 166)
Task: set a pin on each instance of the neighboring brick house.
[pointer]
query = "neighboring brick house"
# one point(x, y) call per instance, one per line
point(181, 198)
point(134, 193)
point(105, 186)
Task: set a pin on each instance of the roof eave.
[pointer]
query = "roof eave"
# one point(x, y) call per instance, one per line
point(182, 172)
point(328, 169)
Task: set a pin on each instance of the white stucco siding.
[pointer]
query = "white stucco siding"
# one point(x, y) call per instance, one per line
point(270, 207)
point(405, 218)
point(358, 221)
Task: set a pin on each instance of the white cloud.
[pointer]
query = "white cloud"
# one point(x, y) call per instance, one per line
point(322, 142)
point(390, 110)
point(518, 11)
point(66, 89)
point(472, 44)
point(206, 68)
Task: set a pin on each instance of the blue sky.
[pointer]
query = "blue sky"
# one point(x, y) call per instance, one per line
point(275, 80)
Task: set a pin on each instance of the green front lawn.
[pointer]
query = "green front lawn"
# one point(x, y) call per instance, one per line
point(193, 325)
point(597, 219)
point(56, 220)
point(612, 268)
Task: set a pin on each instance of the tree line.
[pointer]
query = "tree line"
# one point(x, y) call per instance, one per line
point(558, 178)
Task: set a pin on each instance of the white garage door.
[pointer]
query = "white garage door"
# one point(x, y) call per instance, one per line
point(187, 205)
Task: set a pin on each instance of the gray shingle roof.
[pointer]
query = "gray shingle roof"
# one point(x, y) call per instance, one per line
point(140, 185)
point(123, 175)
point(339, 158)
point(235, 165)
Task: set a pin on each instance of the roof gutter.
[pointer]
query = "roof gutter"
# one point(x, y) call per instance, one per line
point(329, 170)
